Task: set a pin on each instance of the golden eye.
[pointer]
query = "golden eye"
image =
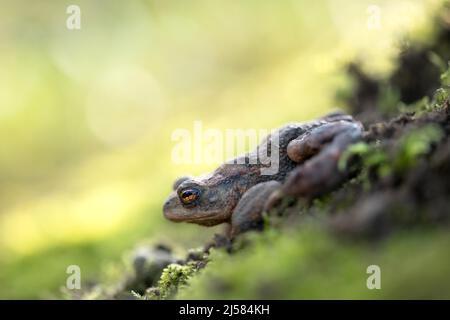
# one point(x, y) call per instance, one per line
point(189, 196)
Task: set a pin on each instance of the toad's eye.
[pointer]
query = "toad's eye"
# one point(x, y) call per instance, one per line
point(189, 196)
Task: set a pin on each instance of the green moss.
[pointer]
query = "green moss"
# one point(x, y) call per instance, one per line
point(372, 155)
point(378, 160)
point(311, 264)
point(374, 160)
point(414, 145)
point(445, 77)
point(173, 277)
point(419, 107)
point(425, 105)
point(441, 96)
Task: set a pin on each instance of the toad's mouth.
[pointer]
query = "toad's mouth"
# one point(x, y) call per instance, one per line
point(206, 219)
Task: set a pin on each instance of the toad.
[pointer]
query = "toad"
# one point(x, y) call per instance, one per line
point(238, 193)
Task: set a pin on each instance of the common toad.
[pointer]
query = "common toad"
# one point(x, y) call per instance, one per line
point(238, 193)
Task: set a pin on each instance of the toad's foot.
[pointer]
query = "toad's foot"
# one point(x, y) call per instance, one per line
point(318, 153)
point(248, 213)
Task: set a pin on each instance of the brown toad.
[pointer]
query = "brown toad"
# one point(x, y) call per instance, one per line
point(238, 192)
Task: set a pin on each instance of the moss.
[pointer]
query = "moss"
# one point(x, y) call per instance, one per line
point(430, 103)
point(414, 145)
point(173, 277)
point(441, 96)
point(445, 77)
point(419, 107)
point(425, 105)
point(373, 160)
point(384, 160)
point(311, 264)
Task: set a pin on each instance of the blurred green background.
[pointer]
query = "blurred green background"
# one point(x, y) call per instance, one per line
point(86, 115)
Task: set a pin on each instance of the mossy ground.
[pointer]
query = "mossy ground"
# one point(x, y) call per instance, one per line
point(309, 264)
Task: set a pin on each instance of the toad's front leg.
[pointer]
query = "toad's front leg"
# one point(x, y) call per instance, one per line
point(318, 153)
point(247, 214)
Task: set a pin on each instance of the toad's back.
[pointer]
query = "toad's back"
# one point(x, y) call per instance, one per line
point(253, 167)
